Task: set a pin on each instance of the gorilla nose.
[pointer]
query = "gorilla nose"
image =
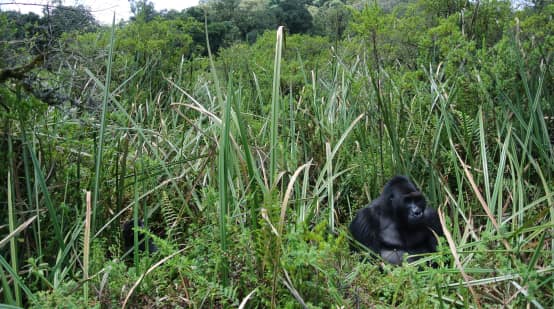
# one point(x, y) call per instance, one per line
point(417, 212)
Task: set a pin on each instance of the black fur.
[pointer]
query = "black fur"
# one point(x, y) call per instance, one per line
point(397, 222)
point(129, 238)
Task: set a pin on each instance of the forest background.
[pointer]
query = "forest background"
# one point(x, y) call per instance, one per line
point(247, 157)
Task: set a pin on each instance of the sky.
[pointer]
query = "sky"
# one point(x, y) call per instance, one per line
point(101, 9)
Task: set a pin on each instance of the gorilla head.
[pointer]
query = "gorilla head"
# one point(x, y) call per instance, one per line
point(398, 222)
point(404, 202)
point(128, 233)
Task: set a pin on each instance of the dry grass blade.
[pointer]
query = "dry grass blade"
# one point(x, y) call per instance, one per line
point(18, 230)
point(480, 196)
point(245, 300)
point(86, 243)
point(452, 247)
point(330, 193)
point(525, 292)
point(498, 279)
point(200, 109)
point(265, 216)
point(196, 106)
point(151, 269)
point(288, 283)
point(288, 193)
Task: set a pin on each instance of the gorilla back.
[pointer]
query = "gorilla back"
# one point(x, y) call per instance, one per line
point(398, 222)
point(128, 234)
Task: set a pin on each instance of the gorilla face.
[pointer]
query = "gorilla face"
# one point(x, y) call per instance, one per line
point(409, 208)
point(414, 206)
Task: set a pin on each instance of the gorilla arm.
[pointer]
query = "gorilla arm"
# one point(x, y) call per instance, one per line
point(365, 228)
point(377, 231)
point(435, 227)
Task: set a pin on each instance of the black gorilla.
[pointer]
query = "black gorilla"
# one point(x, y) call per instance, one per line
point(397, 222)
point(129, 238)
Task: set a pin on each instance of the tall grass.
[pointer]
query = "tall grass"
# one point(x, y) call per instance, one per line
point(253, 201)
point(100, 144)
point(275, 102)
point(497, 180)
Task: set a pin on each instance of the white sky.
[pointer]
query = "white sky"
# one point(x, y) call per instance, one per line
point(101, 9)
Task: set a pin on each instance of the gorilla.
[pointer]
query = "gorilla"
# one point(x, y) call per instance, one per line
point(397, 222)
point(129, 238)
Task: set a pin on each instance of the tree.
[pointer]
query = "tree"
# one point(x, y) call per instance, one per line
point(370, 23)
point(62, 19)
point(294, 15)
point(142, 10)
point(252, 18)
point(195, 12)
point(332, 19)
point(225, 9)
point(444, 8)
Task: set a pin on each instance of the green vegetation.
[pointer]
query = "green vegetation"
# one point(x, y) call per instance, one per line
point(247, 157)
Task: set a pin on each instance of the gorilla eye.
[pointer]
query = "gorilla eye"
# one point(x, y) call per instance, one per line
point(417, 200)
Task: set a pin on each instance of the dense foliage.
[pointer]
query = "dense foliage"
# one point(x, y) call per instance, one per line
point(247, 157)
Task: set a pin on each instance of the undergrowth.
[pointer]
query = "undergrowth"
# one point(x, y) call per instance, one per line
point(247, 182)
